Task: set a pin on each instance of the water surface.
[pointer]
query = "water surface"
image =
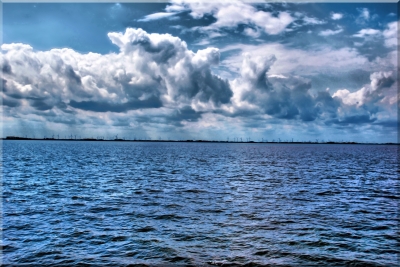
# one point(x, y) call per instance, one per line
point(201, 204)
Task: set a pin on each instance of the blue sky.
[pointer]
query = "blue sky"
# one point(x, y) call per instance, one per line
point(208, 70)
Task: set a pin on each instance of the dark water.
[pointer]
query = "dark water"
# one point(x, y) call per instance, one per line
point(110, 203)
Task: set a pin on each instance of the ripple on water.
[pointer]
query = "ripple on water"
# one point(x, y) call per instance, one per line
point(189, 204)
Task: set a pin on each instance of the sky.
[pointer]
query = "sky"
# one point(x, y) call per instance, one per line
point(215, 70)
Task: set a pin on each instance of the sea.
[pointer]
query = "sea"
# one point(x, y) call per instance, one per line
point(77, 203)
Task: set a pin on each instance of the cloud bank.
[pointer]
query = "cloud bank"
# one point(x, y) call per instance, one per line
point(155, 84)
point(151, 71)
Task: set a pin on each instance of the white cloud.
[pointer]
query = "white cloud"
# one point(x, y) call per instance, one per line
point(151, 71)
point(382, 86)
point(391, 34)
point(256, 91)
point(235, 13)
point(322, 59)
point(280, 76)
point(367, 32)
point(252, 33)
point(157, 16)
point(229, 14)
point(336, 16)
point(313, 21)
point(330, 32)
point(349, 98)
point(156, 79)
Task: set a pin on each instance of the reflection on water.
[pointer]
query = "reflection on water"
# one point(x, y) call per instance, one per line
point(199, 204)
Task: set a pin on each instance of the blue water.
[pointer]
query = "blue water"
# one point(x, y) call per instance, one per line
point(70, 203)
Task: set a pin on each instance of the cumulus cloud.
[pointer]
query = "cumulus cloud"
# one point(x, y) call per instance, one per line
point(391, 34)
point(371, 93)
point(229, 14)
point(279, 96)
point(366, 104)
point(367, 32)
point(258, 92)
point(155, 79)
point(150, 71)
point(336, 16)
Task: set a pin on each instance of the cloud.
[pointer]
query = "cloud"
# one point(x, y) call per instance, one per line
point(330, 32)
point(254, 71)
point(282, 97)
point(152, 102)
point(354, 119)
point(372, 104)
point(229, 15)
point(364, 13)
point(313, 21)
point(6, 68)
point(391, 34)
point(157, 16)
point(367, 32)
point(371, 93)
point(260, 92)
point(150, 71)
point(336, 16)
point(364, 16)
point(155, 83)
point(252, 33)
point(321, 59)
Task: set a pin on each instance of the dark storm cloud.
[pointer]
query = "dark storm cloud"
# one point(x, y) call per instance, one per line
point(389, 124)
point(384, 81)
point(209, 87)
point(160, 52)
point(72, 76)
point(41, 105)
point(294, 103)
point(4, 85)
point(64, 120)
point(280, 108)
point(6, 68)
point(325, 103)
point(10, 102)
point(354, 119)
point(152, 102)
point(121, 123)
point(186, 113)
point(172, 117)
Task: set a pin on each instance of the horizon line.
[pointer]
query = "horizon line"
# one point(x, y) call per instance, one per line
point(18, 138)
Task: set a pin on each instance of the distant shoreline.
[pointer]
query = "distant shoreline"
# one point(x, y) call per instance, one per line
point(190, 141)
